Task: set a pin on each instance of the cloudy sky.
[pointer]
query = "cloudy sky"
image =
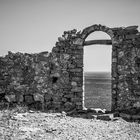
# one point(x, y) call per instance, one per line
point(34, 25)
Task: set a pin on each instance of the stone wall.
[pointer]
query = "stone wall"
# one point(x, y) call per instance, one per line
point(24, 78)
point(125, 66)
point(54, 81)
point(49, 81)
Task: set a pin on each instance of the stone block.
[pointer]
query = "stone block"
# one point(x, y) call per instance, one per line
point(75, 99)
point(131, 28)
point(29, 99)
point(121, 54)
point(137, 93)
point(77, 79)
point(64, 99)
point(66, 56)
point(77, 89)
point(74, 83)
point(132, 36)
point(135, 117)
point(103, 117)
point(79, 107)
point(137, 105)
point(79, 103)
point(55, 74)
point(61, 39)
point(19, 98)
point(38, 97)
point(78, 41)
point(1, 91)
point(48, 97)
point(10, 98)
point(114, 60)
point(68, 106)
point(125, 116)
point(42, 58)
point(57, 105)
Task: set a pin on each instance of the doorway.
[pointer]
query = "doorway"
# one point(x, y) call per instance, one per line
point(97, 72)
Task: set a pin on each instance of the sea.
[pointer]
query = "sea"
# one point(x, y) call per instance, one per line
point(97, 90)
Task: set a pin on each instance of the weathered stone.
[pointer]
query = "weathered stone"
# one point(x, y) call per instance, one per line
point(77, 89)
point(78, 41)
point(68, 106)
point(79, 103)
point(64, 99)
point(103, 117)
point(75, 99)
point(137, 105)
point(48, 97)
point(73, 83)
point(132, 36)
point(38, 97)
point(121, 54)
point(131, 27)
point(29, 99)
point(125, 116)
point(10, 98)
point(55, 75)
point(19, 98)
point(135, 117)
point(114, 60)
point(61, 39)
point(137, 92)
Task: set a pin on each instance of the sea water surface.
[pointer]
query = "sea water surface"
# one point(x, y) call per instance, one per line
point(97, 90)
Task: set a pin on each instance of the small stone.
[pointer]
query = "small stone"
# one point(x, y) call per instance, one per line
point(29, 99)
point(19, 98)
point(61, 39)
point(55, 75)
point(121, 54)
point(114, 60)
point(103, 117)
point(38, 97)
point(73, 83)
point(66, 56)
point(125, 116)
point(78, 103)
point(68, 106)
point(136, 117)
point(78, 41)
point(48, 97)
point(137, 105)
point(77, 89)
point(64, 99)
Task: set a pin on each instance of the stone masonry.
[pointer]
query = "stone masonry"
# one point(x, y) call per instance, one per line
point(54, 81)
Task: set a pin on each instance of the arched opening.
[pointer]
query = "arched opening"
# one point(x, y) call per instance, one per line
point(97, 71)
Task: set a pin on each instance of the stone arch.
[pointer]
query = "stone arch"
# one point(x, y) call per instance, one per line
point(85, 33)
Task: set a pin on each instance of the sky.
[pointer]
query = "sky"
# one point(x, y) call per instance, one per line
point(34, 25)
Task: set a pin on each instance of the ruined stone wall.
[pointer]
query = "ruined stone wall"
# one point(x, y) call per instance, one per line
point(54, 81)
point(128, 70)
point(125, 66)
point(24, 77)
point(50, 81)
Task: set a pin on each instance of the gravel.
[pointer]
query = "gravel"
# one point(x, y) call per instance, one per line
point(58, 126)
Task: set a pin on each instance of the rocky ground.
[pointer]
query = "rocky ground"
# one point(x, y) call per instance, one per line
point(58, 126)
